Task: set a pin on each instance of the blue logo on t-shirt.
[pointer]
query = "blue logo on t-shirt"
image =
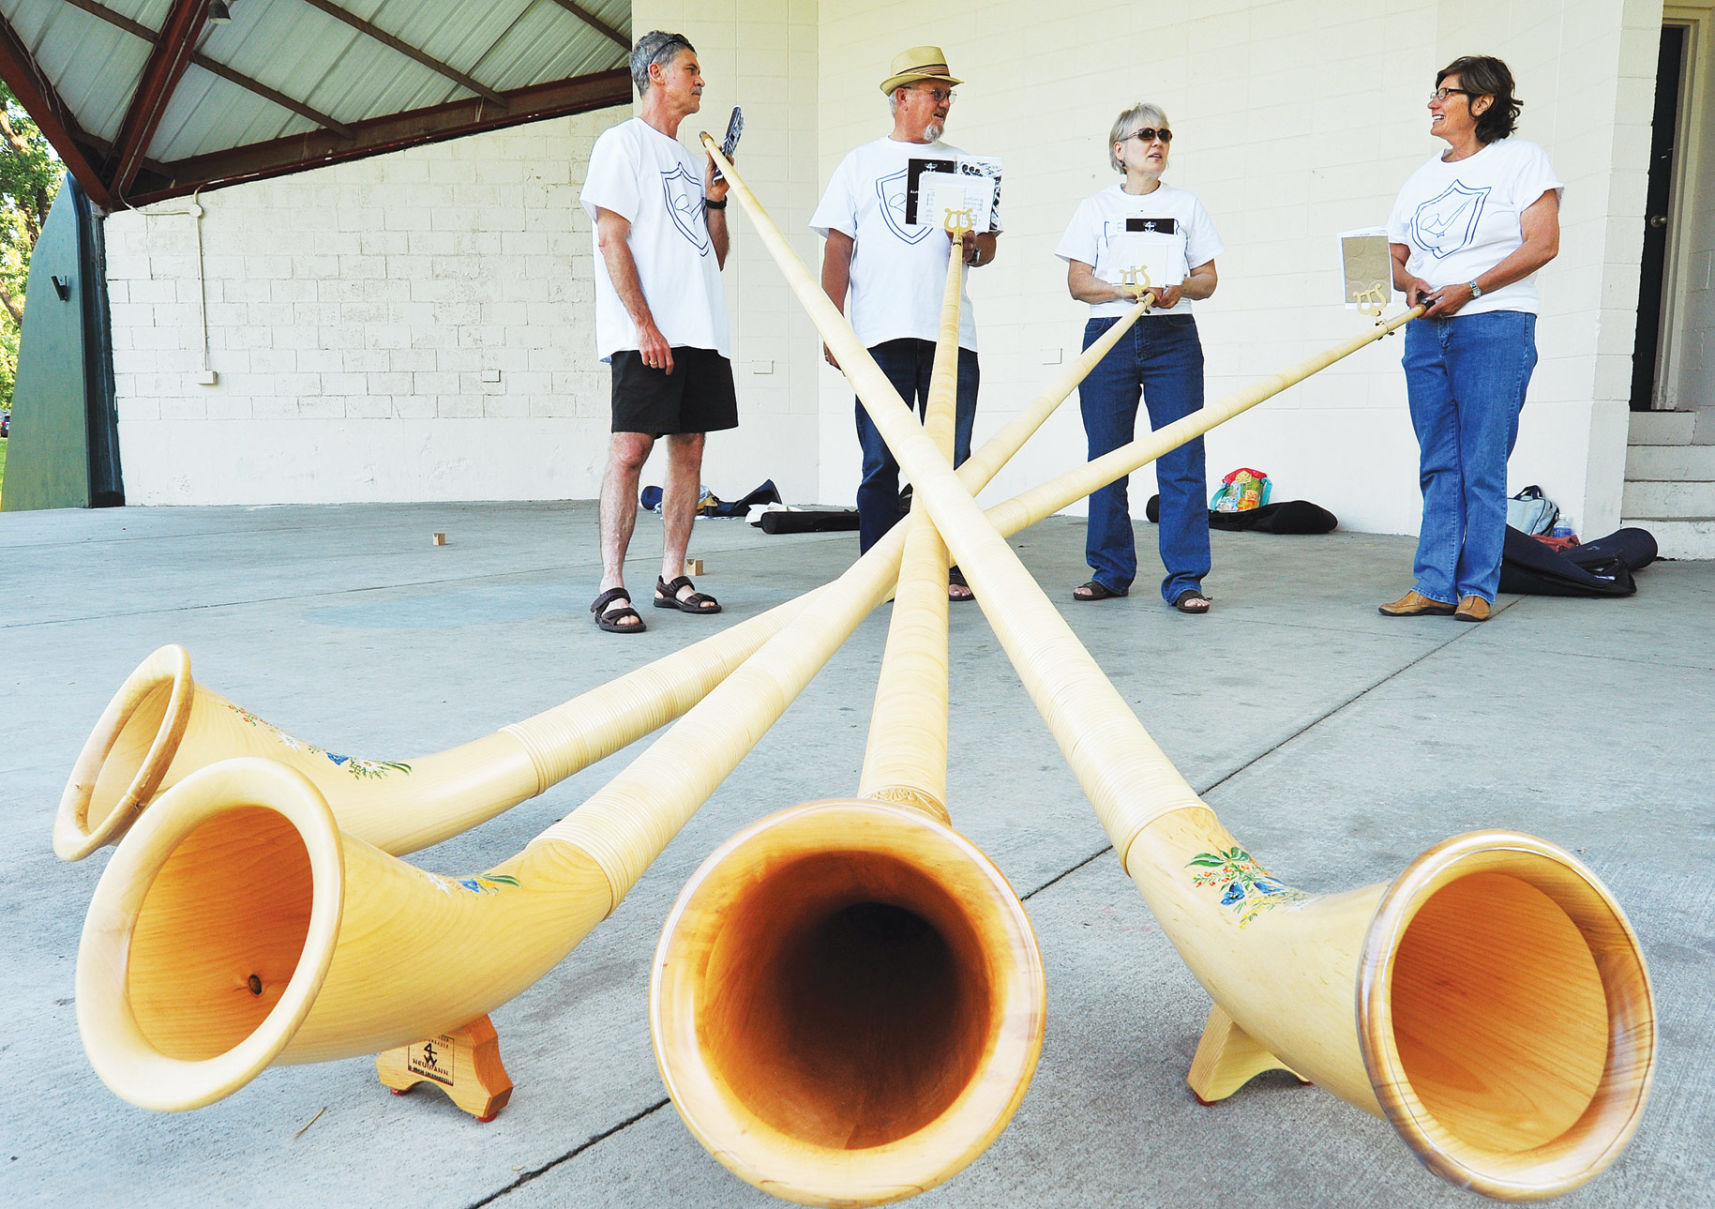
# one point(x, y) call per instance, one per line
point(891, 191)
point(1447, 224)
point(685, 205)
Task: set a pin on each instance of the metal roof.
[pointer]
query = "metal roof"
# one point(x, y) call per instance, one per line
point(146, 99)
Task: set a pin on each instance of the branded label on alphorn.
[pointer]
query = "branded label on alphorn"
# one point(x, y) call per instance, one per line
point(432, 1059)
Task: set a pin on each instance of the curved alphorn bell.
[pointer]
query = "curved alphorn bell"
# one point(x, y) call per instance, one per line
point(1492, 1002)
point(201, 925)
point(848, 999)
point(847, 1003)
point(162, 725)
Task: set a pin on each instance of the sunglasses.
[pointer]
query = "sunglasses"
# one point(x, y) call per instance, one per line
point(1149, 134)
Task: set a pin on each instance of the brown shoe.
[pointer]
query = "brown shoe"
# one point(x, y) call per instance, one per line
point(1472, 608)
point(1415, 604)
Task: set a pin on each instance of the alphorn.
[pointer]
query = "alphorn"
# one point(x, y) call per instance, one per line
point(236, 926)
point(1492, 1002)
point(162, 725)
point(848, 999)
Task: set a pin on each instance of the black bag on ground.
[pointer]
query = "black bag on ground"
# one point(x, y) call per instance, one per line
point(1283, 516)
point(831, 520)
point(1598, 568)
point(1634, 547)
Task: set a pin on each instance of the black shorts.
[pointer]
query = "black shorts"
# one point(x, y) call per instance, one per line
point(697, 396)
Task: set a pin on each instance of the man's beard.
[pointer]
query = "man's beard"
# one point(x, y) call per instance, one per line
point(933, 131)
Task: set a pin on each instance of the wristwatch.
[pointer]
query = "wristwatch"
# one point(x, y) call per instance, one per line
point(1476, 290)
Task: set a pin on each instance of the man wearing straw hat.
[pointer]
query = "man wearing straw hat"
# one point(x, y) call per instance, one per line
point(895, 273)
point(659, 220)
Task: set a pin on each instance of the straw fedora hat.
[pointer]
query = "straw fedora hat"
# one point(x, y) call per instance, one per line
point(919, 63)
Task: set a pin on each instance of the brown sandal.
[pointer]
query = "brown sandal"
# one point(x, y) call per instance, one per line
point(1095, 590)
point(611, 619)
point(667, 597)
point(1191, 601)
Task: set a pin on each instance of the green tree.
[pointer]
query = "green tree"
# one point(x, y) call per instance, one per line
point(30, 175)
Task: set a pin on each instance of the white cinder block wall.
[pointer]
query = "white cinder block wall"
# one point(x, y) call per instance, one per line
point(358, 313)
point(412, 326)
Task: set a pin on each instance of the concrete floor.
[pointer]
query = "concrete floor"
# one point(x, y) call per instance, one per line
point(1336, 744)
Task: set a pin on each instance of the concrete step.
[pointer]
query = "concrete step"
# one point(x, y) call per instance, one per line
point(1670, 463)
point(1661, 427)
point(1648, 497)
point(1678, 537)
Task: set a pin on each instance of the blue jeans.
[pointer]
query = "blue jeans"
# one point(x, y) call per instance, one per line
point(907, 364)
point(1162, 357)
point(1465, 378)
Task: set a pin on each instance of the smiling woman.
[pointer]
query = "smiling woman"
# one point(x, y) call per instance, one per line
point(1468, 233)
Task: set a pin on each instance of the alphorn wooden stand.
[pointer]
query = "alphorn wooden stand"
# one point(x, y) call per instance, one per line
point(465, 1064)
point(1227, 1058)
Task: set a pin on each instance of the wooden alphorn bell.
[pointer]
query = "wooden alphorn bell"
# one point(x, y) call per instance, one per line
point(1492, 1002)
point(848, 999)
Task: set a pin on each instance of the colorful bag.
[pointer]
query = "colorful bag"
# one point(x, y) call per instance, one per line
point(1241, 491)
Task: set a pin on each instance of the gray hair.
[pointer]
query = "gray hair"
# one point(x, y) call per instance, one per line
point(656, 46)
point(1134, 119)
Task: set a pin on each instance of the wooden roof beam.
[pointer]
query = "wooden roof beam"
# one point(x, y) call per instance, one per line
point(18, 67)
point(405, 48)
point(139, 30)
point(296, 153)
point(596, 23)
point(161, 75)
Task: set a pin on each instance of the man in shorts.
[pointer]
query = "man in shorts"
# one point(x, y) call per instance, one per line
point(659, 220)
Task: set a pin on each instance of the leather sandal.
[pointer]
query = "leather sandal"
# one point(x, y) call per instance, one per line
point(956, 579)
point(1191, 601)
point(1095, 589)
point(613, 620)
point(667, 597)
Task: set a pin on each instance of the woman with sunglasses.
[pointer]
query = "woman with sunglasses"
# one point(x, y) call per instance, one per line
point(1142, 232)
point(1468, 233)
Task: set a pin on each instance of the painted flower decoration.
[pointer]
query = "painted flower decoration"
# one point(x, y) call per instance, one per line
point(361, 769)
point(1245, 886)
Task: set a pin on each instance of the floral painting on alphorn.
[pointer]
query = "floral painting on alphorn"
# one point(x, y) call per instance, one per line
point(370, 769)
point(484, 883)
point(1245, 886)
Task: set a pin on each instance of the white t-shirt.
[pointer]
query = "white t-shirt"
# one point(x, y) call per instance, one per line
point(899, 272)
point(1165, 231)
point(656, 184)
point(1462, 219)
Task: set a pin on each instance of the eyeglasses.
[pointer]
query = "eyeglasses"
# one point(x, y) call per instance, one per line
point(1441, 94)
point(1149, 134)
point(942, 96)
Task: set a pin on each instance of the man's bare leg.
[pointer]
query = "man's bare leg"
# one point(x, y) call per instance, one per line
point(679, 501)
point(617, 511)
